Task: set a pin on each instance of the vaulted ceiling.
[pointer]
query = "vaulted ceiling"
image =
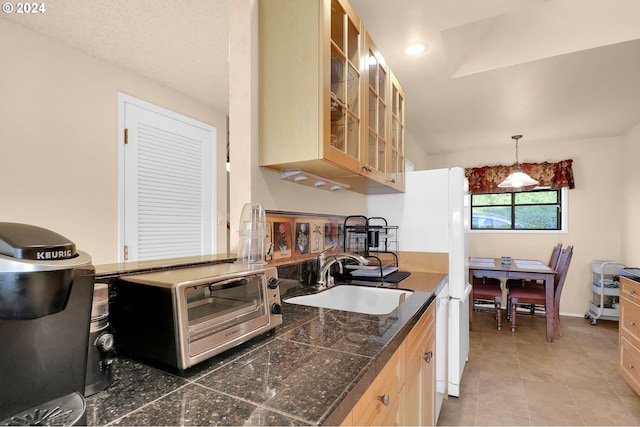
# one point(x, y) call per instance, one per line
point(551, 70)
point(548, 69)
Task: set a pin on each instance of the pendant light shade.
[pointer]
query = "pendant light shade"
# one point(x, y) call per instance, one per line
point(517, 178)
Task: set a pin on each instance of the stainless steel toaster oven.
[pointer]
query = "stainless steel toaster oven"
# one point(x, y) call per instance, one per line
point(181, 317)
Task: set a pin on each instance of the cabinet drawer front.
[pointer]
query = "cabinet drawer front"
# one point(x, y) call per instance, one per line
point(416, 358)
point(419, 331)
point(370, 410)
point(416, 343)
point(630, 290)
point(630, 322)
point(630, 364)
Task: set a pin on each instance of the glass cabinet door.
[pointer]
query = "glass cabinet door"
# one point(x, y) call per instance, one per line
point(345, 81)
point(396, 167)
point(377, 110)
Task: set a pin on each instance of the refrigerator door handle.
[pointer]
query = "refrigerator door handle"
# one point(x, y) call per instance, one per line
point(467, 290)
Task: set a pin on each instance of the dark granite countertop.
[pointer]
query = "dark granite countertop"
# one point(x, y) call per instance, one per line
point(107, 271)
point(311, 371)
point(631, 273)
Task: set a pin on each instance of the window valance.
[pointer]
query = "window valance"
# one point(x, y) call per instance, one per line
point(485, 179)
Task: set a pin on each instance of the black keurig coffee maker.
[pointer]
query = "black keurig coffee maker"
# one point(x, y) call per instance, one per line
point(101, 346)
point(46, 289)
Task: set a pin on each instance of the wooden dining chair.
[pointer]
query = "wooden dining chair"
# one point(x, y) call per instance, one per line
point(536, 294)
point(553, 263)
point(488, 289)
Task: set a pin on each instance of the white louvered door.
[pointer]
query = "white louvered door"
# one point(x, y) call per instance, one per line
point(169, 170)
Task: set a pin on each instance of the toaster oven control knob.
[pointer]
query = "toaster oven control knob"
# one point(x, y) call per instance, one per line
point(105, 342)
point(276, 308)
point(273, 283)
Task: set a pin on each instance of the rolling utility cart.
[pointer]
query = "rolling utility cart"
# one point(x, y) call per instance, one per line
point(605, 291)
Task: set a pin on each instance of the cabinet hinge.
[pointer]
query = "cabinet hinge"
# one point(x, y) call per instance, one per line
point(126, 135)
point(126, 252)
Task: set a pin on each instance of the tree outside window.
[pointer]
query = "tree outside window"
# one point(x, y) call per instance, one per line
point(539, 209)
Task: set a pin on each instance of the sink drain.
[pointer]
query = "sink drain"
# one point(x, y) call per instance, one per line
point(64, 411)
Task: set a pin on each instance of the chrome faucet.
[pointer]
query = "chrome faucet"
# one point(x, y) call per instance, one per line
point(322, 256)
point(324, 277)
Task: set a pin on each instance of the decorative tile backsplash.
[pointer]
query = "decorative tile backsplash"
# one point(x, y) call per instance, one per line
point(300, 236)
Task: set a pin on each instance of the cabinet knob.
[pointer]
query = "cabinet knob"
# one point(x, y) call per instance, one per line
point(632, 323)
point(385, 399)
point(632, 292)
point(427, 356)
point(629, 366)
point(367, 167)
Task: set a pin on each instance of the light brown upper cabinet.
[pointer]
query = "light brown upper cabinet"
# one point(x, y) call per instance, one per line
point(396, 155)
point(376, 117)
point(314, 102)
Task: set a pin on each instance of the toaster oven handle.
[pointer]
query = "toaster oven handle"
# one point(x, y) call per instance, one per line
point(231, 283)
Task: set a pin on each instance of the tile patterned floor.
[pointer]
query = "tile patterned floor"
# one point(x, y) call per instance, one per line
point(518, 379)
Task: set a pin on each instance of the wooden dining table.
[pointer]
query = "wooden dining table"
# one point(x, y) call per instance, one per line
point(520, 269)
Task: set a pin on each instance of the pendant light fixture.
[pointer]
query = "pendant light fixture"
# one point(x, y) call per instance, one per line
point(517, 178)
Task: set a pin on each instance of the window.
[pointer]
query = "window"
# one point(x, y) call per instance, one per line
point(540, 209)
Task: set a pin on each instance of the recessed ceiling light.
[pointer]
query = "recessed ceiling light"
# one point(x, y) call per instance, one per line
point(415, 49)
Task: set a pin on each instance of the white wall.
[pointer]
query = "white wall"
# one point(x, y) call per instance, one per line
point(629, 203)
point(58, 164)
point(415, 153)
point(594, 209)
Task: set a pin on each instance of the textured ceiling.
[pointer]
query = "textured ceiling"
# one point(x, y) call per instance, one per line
point(181, 44)
point(548, 69)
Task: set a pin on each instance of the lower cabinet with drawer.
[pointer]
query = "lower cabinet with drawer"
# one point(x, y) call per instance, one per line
point(629, 340)
point(379, 404)
point(403, 393)
point(420, 369)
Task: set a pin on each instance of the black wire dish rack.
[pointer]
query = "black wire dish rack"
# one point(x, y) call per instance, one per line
point(376, 240)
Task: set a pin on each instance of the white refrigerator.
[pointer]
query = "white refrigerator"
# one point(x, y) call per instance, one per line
point(432, 215)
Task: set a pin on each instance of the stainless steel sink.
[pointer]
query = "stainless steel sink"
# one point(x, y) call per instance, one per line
point(358, 299)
